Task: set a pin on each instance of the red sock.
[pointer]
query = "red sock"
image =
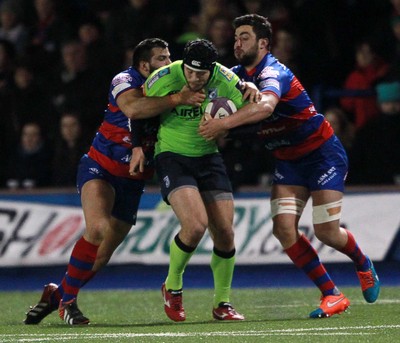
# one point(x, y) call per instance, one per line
point(352, 250)
point(305, 257)
point(79, 270)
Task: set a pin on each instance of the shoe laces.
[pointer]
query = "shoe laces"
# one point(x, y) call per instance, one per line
point(367, 279)
point(176, 302)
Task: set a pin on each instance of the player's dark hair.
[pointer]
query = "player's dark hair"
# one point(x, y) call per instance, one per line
point(200, 54)
point(142, 51)
point(261, 26)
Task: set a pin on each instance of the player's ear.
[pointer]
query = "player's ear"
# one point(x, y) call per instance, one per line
point(145, 67)
point(263, 44)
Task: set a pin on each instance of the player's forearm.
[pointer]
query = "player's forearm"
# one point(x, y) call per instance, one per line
point(249, 114)
point(147, 107)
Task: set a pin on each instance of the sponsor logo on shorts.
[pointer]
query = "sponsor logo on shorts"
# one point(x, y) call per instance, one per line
point(166, 181)
point(278, 176)
point(326, 177)
point(94, 171)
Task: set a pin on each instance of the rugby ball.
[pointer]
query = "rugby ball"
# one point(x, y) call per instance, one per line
point(220, 108)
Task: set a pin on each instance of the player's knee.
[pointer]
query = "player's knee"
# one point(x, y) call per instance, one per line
point(193, 233)
point(224, 235)
point(94, 232)
point(327, 233)
point(281, 231)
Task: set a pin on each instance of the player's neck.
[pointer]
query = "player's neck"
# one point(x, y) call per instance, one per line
point(257, 61)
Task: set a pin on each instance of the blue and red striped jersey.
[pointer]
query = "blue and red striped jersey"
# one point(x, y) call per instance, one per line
point(295, 128)
point(112, 145)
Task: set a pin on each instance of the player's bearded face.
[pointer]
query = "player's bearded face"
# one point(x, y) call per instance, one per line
point(161, 57)
point(246, 55)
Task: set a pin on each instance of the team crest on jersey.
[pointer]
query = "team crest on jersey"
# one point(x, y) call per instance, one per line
point(121, 78)
point(157, 76)
point(268, 72)
point(212, 93)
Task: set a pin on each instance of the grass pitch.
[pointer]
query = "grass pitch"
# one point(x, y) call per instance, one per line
point(272, 315)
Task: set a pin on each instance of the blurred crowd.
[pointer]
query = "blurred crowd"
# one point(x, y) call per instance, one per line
point(57, 58)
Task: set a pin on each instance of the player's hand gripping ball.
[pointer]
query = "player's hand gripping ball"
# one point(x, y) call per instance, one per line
point(219, 108)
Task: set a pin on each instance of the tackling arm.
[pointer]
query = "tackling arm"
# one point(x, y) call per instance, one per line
point(137, 106)
point(250, 114)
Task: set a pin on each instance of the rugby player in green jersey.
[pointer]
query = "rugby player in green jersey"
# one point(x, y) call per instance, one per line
point(192, 174)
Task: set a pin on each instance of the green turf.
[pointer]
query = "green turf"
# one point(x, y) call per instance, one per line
point(272, 315)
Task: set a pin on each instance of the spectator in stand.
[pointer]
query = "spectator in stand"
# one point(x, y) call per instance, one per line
point(12, 28)
point(394, 70)
point(7, 62)
point(396, 7)
point(342, 126)
point(277, 11)
point(220, 32)
point(48, 31)
point(29, 100)
point(369, 69)
point(286, 48)
point(209, 9)
point(375, 157)
point(99, 54)
point(137, 20)
point(29, 165)
point(78, 86)
point(70, 146)
point(9, 137)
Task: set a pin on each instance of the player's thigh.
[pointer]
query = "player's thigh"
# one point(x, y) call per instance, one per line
point(97, 197)
point(325, 196)
point(220, 214)
point(188, 206)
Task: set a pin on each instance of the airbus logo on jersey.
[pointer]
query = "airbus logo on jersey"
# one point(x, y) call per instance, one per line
point(188, 113)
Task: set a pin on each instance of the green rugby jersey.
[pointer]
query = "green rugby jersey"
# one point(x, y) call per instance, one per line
point(178, 130)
